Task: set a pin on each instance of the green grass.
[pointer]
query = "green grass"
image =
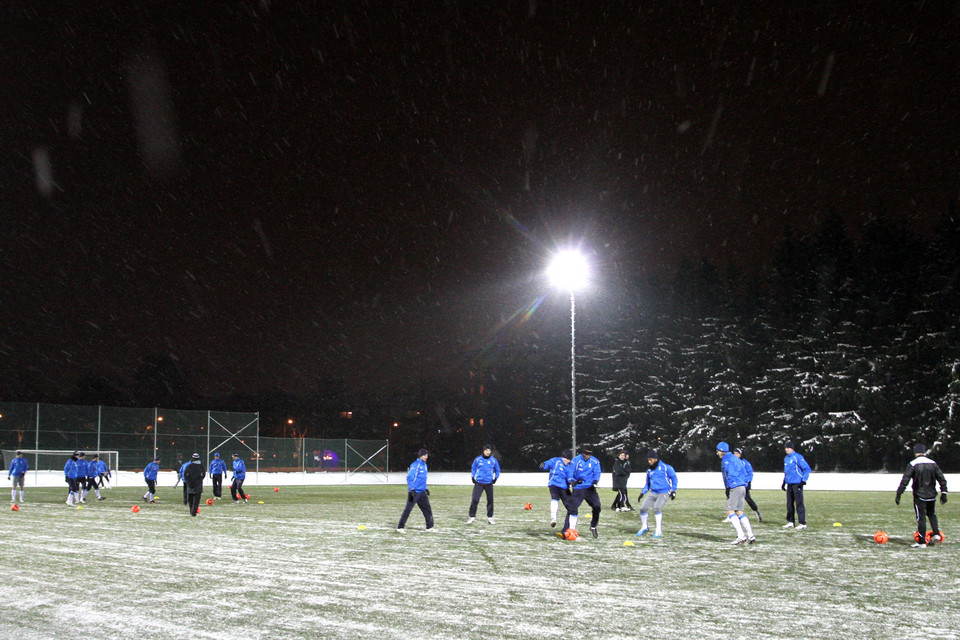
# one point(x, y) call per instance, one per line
point(297, 566)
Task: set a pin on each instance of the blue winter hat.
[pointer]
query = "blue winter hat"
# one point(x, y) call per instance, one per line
point(216, 455)
point(919, 448)
point(723, 446)
point(567, 453)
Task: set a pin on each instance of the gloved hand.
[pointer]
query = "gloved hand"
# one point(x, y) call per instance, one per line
point(727, 491)
point(673, 495)
point(783, 486)
point(426, 491)
point(568, 492)
point(494, 481)
point(579, 481)
point(473, 480)
point(943, 498)
point(897, 499)
point(803, 483)
point(411, 495)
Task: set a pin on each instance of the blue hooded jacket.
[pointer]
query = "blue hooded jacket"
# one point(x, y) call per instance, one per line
point(150, 471)
point(795, 468)
point(559, 472)
point(239, 469)
point(586, 470)
point(748, 469)
point(217, 467)
point(82, 466)
point(18, 467)
point(417, 476)
point(734, 475)
point(93, 469)
point(70, 469)
point(485, 470)
point(102, 467)
point(660, 479)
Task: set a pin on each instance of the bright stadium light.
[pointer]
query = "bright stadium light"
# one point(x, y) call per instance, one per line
point(569, 271)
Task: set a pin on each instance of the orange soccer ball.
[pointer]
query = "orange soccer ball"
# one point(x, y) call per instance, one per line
point(247, 496)
point(571, 534)
point(916, 536)
point(880, 537)
point(198, 509)
point(528, 506)
point(209, 502)
point(135, 508)
point(14, 507)
point(275, 489)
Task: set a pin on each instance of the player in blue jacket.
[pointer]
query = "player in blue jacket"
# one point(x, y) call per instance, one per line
point(417, 492)
point(103, 473)
point(748, 468)
point(218, 468)
point(150, 477)
point(180, 478)
point(70, 473)
point(796, 472)
point(583, 485)
point(558, 481)
point(661, 486)
point(735, 479)
point(90, 482)
point(18, 470)
point(483, 473)
point(239, 475)
point(83, 468)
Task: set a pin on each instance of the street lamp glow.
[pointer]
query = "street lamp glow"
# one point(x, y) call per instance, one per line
point(569, 270)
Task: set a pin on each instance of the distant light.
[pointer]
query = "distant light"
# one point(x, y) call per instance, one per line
point(289, 420)
point(159, 418)
point(569, 270)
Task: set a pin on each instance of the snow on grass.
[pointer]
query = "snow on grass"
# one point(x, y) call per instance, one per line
point(297, 566)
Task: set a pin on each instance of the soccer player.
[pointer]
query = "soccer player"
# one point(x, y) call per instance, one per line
point(661, 485)
point(749, 469)
point(239, 475)
point(71, 472)
point(93, 472)
point(735, 479)
point(558, 482)
point(621, 474)
point(83, 467)
point(103, 473)
point(796, 472)
point(484, 474)
point(180, 478)
point(150, 477)
point(217, 470)
point(417, 492)
point(925, 474)
point(193, 476)
point(18, 469)
point(583, 485)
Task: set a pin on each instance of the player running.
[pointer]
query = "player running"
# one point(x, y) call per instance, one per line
point(558, 482)
point(661, 485)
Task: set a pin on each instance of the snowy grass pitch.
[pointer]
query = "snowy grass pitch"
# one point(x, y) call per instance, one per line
point(300, 566)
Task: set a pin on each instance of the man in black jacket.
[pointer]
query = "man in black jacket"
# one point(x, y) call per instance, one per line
point(925, 475)
point(193, 475)
point(621, 473)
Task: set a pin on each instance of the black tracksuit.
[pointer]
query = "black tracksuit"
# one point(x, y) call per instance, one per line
point(193, 484)
point(925, 474)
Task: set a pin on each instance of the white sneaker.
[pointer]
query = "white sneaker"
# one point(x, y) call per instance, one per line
point(789, 525)
point(801, 526)
point(918, 545)
point(471, 520)
point(490, 521)
point(933, 539)
point(739, 540)
point(401, 530)
point(431, 530)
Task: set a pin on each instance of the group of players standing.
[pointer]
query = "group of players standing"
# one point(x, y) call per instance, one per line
point(572, 480)
point(82, 475)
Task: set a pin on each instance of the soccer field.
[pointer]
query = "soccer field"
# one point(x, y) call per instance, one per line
point(300, 566)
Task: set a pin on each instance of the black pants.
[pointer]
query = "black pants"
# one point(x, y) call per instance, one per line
point(185, 499)
point(151, 486)
point(750, 501)
point(926, 509)
point(236, 489)
point(74, 485)
point(422, 500)
point(620, 501)
point(217, 479)
point(795, 500)
point(475, 500)
point(194, 500)
point(573, 505)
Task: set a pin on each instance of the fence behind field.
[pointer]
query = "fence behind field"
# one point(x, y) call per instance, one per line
point(140, 434)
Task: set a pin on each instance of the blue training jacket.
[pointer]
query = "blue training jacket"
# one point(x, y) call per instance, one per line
point(239, 469)
point(82, 466)
point(183, 468)
point(150, 471)
point(70, 469)
point(660, 479)
point(748, 469)
point(18, 467)
point(217, 467)
point(485, 470)
point(795, 468)
point(734, 475)
point(102, 467)
point(559, 472)
point(93, 469)
point(586, 470)
point(417, 476)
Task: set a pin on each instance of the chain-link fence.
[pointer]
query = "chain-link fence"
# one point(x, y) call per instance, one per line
point(138, 434)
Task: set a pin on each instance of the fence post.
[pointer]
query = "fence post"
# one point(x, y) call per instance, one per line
point(36, 448)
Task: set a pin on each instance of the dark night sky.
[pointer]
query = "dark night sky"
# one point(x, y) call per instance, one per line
point(279, 192)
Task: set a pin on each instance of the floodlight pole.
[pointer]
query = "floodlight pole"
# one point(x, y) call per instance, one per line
point(573, 372)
